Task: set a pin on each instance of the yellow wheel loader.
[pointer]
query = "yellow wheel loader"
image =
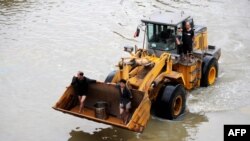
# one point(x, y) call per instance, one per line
point(156, 75)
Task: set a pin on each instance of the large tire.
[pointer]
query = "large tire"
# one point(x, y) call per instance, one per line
point(209, 71)
point(171, 103)
point(110, 77)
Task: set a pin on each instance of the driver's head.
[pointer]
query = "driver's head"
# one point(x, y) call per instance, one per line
point(80, 75)
point(165, 28)
point(123, 83)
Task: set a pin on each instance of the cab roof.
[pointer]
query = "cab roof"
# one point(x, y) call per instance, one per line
point(166, 18)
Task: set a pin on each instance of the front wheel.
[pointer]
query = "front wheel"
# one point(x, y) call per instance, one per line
point(171, 103)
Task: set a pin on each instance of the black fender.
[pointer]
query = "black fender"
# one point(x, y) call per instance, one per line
point(110, 76)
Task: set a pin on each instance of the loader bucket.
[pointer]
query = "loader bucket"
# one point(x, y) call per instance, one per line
point(109, 94)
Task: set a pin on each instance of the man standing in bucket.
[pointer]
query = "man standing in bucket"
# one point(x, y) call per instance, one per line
point(80, 84)
point(125, 99)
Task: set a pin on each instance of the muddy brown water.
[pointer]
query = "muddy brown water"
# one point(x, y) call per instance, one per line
point(43, 43)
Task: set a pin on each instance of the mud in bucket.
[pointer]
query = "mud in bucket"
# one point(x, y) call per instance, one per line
point(101, 110)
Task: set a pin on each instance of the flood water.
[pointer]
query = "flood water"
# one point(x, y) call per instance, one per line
point(43, 43)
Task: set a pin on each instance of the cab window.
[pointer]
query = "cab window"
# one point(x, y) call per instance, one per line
point(161, 37)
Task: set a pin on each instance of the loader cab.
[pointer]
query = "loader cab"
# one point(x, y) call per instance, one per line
point(161, 31)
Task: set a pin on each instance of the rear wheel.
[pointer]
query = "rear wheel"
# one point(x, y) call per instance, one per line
point(171, 103)
point(209, 71)
point(110, 76)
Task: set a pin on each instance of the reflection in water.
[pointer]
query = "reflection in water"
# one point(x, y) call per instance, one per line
point(12, 7)
point(157, 129)
point(192, 121)
point(9, 3)
point(114, 134)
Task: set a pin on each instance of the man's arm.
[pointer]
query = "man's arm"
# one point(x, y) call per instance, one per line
point(192, 34)
point(73, 82)
point(177, 41)
point(90, 80)
point(129, 93)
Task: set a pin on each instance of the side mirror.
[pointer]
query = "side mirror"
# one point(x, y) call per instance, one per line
point(137, 33)
point(128, 49)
